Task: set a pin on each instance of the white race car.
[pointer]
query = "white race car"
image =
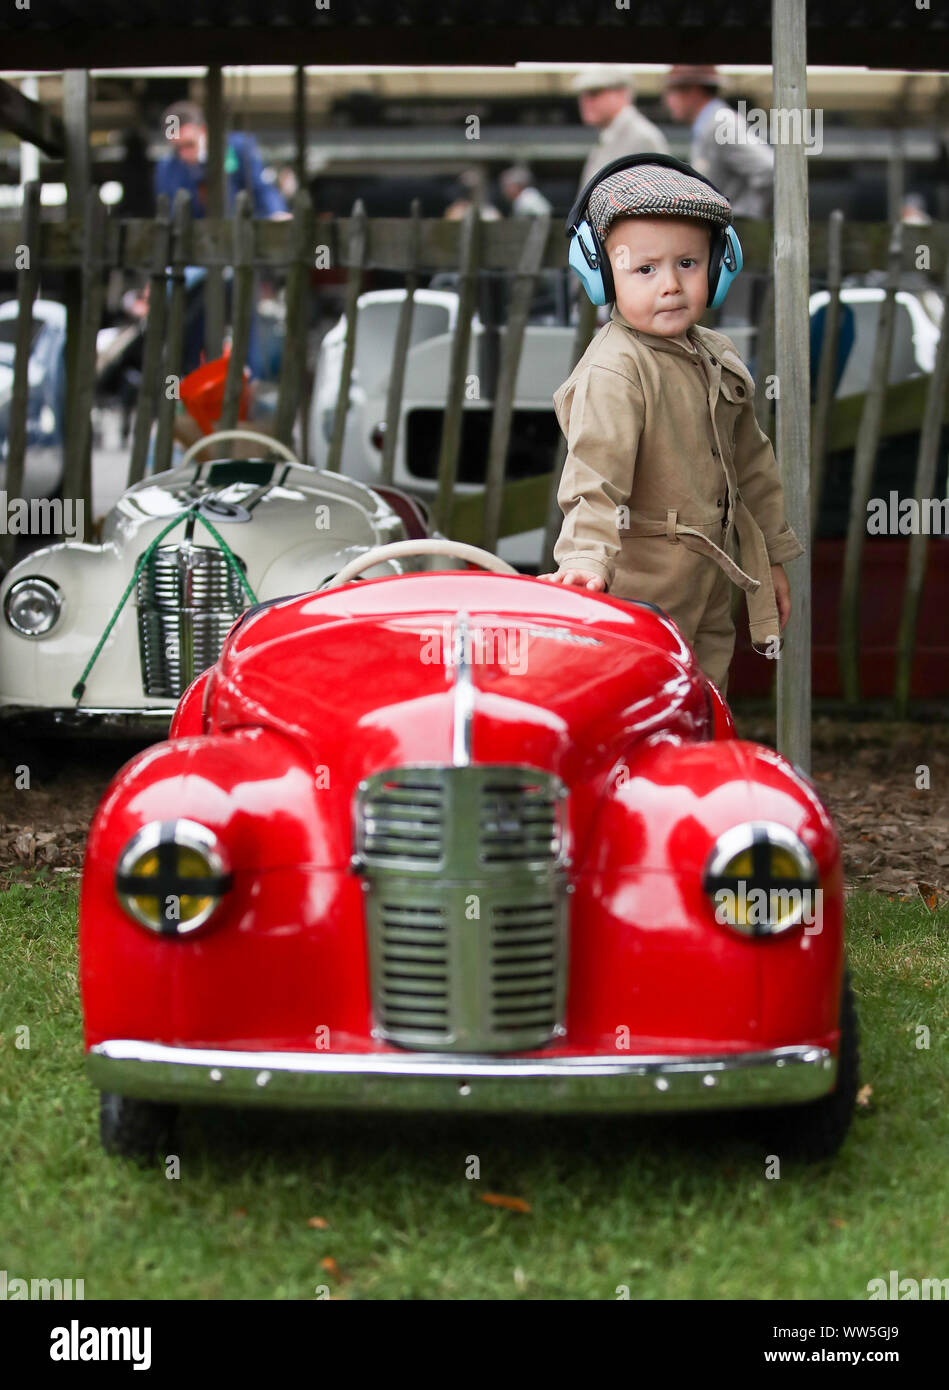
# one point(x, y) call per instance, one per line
point(106, 637)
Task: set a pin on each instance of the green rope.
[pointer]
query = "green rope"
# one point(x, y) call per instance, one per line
point(79, 688)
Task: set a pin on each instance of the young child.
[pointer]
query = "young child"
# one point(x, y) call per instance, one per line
point(665, 460)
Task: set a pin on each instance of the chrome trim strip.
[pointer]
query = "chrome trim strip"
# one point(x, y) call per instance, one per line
point(437, 1081)
point(462, 694)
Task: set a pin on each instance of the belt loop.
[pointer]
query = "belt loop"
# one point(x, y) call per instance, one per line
point(671, 516)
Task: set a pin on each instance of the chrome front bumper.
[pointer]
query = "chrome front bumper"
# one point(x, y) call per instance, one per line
point(446, 1082)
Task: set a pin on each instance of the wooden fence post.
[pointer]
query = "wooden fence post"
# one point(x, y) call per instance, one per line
point(924, 488)
point(242, 309)
point(356, 259)
point(173, 365)
point(518, 309)
point(403, 340)
point(77, 481)
point(293, 364)
point(792, 364)
point(583, 334)
point(865, 452)
point(827, 369)
point(154, 343)
point(453, 420)
point(216, 208)
point(27, 280)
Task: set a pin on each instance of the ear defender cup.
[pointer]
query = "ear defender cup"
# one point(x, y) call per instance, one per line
point(588, 258)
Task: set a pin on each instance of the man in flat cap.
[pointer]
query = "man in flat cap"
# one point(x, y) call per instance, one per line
point(606, 101)
point(723, 148)
point(666, 465)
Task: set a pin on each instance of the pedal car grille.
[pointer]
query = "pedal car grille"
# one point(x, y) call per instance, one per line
point(188, 598)
point(465, 891)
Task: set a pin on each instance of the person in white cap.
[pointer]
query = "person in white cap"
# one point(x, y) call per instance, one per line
point(606, 101)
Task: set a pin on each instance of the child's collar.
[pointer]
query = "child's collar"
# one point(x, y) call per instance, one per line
point(653, 340)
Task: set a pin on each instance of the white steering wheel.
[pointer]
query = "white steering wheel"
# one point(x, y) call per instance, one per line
point(276, 444)
point(396, 550)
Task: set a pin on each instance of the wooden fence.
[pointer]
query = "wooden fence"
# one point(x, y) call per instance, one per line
point(162, 247)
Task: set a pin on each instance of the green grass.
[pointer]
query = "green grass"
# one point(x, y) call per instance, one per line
point(672, 1208)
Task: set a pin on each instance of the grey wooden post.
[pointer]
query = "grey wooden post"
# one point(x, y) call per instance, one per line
point(173, 364)
point(792, 362)
point(583, 333)
point(865, 452)
point(926, 462)
point(26, 283)
point(469, 259)
point(403, 340)
point(827, 369)
point(293, 364)
point(299, 126)
point(518, 309)
point(217, 148)
point(76, 84)
point(356, 257)
point(154, 343)
point(77, 483)
point(242, 308)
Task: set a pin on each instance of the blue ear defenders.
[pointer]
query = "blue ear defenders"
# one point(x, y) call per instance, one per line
point(591, 263)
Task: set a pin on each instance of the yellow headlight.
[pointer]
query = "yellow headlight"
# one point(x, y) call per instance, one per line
point(172, 875)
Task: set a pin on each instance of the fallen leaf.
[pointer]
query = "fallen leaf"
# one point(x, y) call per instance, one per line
point(318, 1223)
point(863, 1096)
point(928, 895)
point(837, 1221)
point(240, 1211)
point(330, 1265)
point(495, 1199)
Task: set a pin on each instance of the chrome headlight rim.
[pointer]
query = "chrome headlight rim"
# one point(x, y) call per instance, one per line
point(176, 835)
point(49, 589)
point(748, 837)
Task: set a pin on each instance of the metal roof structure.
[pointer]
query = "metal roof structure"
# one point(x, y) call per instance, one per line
point(87, 33)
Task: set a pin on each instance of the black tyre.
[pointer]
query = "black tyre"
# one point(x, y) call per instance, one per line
point(134, 1128)
point(817, 1129)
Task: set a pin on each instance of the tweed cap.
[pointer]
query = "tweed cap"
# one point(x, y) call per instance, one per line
point(652, 190)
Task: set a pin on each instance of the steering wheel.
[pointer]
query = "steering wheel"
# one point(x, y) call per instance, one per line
point(396, 550)
point(276, 444)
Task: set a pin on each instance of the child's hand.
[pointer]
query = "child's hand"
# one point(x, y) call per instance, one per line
point(577, 579)
point(782, 594)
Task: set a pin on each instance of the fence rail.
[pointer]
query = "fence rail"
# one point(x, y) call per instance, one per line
point(159, 249)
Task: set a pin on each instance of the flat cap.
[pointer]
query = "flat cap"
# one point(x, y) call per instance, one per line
point(652, 190)
point(597, 78)
point(693, 75)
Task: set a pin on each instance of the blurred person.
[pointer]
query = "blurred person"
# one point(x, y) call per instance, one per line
point(723, 148)
point(605, 96)
point(468, 190)
point(186, 131)
point(519, 191)
point(185, 167)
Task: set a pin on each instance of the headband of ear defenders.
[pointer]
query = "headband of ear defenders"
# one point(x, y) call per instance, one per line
point(588, 258)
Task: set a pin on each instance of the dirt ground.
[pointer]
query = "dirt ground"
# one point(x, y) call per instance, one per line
point(873, 777)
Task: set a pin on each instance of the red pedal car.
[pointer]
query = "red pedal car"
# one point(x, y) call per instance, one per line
point(463, 841)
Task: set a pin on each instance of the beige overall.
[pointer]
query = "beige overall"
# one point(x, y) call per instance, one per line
point(666, 466)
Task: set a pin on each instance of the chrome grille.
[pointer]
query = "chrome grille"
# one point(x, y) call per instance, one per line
point(465, 891)
point(188, 597)
point(402, 820)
